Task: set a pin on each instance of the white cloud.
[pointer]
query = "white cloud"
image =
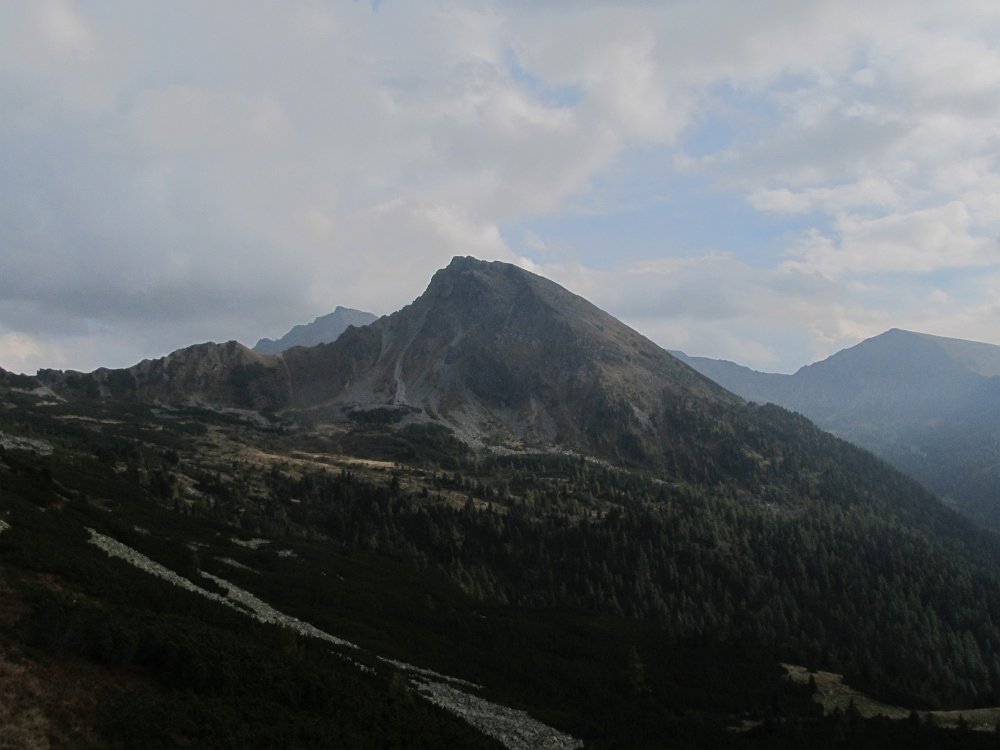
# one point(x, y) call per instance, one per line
point(184, 171)
point(869, 193)
point(189, 121)
point(55, 63)
point(20, 352)
point(938, 238)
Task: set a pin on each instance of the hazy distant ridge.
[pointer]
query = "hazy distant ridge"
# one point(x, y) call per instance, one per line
point(322, 330)
point(930, 405)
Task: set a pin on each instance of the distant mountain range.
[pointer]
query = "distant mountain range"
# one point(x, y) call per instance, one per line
point(927, 404)
point(322, 330)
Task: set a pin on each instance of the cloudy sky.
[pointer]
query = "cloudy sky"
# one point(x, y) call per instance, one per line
point(765, 181)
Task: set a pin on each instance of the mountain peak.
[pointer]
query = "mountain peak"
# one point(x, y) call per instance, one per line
point(491, 348)
point(459, 262)
point(468, 275)
point(507, 297)
point(900, 353)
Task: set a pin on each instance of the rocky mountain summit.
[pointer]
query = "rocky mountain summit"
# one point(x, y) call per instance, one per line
point(494, 350)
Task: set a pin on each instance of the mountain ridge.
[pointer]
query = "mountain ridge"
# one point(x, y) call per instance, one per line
point(502, 357)
point(493, 351)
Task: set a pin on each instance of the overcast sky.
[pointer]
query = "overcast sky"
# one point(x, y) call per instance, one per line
point(767, 182)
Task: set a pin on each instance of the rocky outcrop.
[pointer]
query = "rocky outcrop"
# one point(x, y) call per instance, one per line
point(514, 729)
point(16, 442)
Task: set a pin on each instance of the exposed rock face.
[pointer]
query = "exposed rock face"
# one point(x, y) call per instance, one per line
point(14, 380)
point(322, 330)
